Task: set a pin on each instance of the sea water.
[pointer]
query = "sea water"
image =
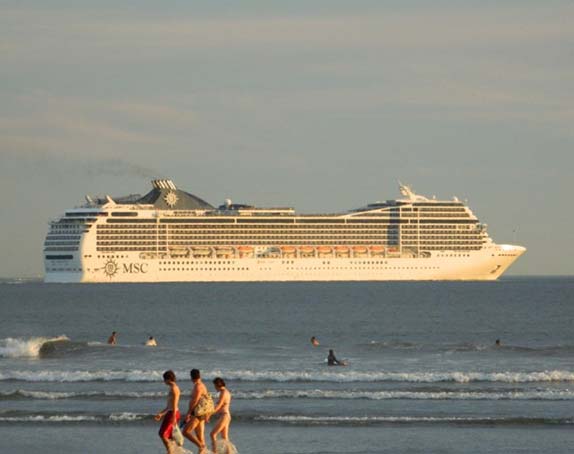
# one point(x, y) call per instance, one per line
point(424, 373)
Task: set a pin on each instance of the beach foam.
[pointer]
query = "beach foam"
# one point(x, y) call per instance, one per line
point(373, 420)
point(74, 418)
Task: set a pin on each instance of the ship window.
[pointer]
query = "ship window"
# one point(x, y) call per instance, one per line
point(124, 213)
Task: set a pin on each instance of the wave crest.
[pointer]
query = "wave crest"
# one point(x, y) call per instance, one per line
point(26, 348)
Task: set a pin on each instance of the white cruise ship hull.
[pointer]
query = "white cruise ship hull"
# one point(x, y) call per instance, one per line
point(484, 265)
point(169, 235)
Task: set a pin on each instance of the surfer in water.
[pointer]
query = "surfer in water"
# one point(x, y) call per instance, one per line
point(113, 339)
point(222, 407)
point(333, 361)
point(151, 342)
point(170, 413)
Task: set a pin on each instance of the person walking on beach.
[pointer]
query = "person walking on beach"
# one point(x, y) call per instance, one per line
point(222, 407)
point(170, 413)
point(113, 340)
point(193, 420)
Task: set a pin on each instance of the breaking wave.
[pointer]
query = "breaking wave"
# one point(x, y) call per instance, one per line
point(289, 376)
point(413, 377)
point(81, 376)
point(552, 395)
point(22, 394)
point(314, 394)
point(292, 376)
point(27, 348)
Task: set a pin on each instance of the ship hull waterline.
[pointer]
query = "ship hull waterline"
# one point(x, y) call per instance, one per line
point(485, 265)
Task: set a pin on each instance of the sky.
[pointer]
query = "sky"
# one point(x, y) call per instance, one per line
point(319, 105)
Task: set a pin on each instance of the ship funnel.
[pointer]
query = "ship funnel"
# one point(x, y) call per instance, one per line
point(163, 184)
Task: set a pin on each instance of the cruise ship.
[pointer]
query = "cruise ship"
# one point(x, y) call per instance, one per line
point(170, 235)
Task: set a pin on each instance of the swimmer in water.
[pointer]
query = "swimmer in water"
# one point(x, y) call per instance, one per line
point(112, 340)
point(151, 342)
point(314, 341)
point(222, 407)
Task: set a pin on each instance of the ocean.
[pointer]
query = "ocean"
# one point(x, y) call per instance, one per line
point(424, 374)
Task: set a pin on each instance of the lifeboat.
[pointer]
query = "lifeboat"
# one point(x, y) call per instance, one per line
point(288, 249)
point(224, 251)
point(324, 249)
point(307, 250)
point(377, 250)
point(342, 251)
point(359, 250)
point(245, 251)
point(178, 251)
point(201, 251)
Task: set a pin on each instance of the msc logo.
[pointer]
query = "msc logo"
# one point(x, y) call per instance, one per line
point(111, 268)
point(135, 268)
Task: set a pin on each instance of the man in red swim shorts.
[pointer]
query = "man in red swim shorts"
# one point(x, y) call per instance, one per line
point(170, 413)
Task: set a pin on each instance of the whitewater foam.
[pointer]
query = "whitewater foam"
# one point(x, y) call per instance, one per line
point(294, 376)
point(552, 395)
point(413, 377)
point(88, 395)
point(81, 376)
point(75, 418)
point(369, 420)
point(312, 394)
point(26, 348)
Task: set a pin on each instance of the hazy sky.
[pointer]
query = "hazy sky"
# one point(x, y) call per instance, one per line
point(318, 105)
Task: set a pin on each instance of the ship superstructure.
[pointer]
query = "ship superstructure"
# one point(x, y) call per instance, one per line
point(169, 235)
